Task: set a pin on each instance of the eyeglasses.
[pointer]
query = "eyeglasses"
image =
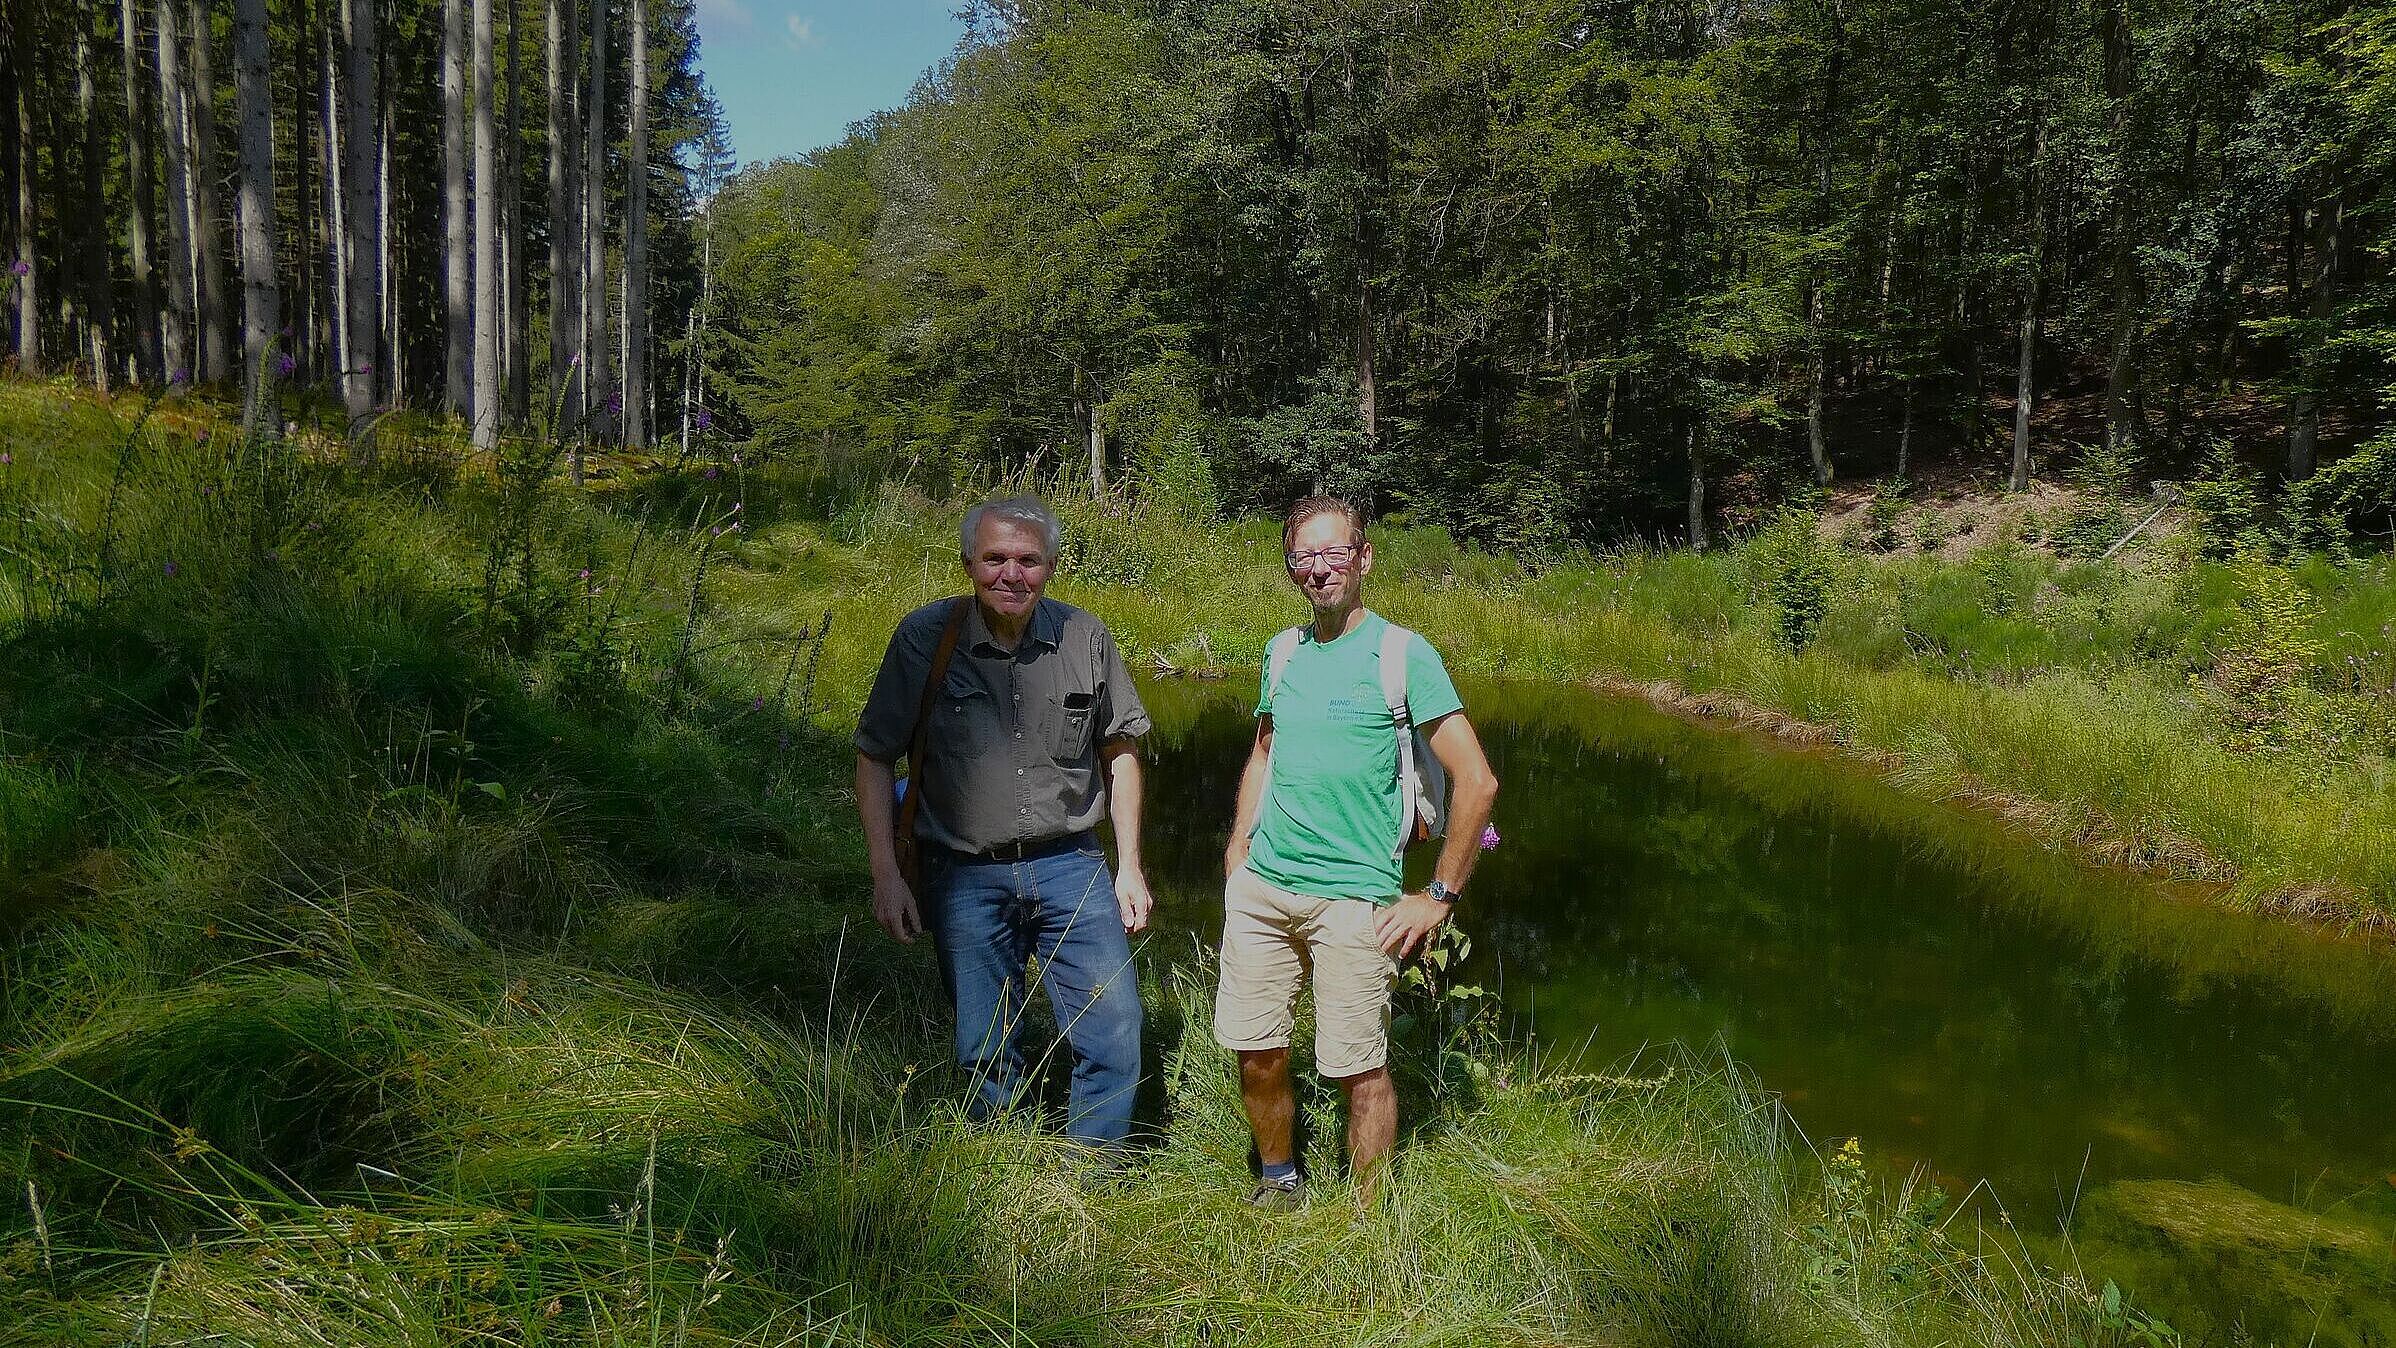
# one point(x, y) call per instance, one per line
point(1336, 557)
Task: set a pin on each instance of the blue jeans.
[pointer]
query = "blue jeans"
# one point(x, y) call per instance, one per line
point(1057, 913)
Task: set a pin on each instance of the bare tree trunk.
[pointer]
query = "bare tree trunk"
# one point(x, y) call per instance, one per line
point(2127, 285)
point(515, 358)
point(142, 196)
point(216, 343)
point(304, 340)
point(693, 372)
point(97, 301)
point(395, 314)
point(1816, 377)
point(486, 234)
point(636, 239)
point(1697, 534)
point(1368, 391)
point(2025, 386)
point(2321, 302)
point(336, 226)
point(361, 201)
point(27, 269)
point(594, 213)
point(564, 251)
point(456, 271)
point(1905, 431)
point(261, 305)
point(174, 120)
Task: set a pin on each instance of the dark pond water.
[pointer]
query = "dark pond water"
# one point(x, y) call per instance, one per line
point(2203, 1099)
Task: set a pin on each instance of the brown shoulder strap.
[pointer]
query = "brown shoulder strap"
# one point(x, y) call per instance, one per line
point(932, 679)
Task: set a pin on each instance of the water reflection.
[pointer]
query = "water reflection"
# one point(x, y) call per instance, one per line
point(1897, 970)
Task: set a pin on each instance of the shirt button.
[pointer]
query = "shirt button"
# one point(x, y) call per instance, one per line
point(1019, 772)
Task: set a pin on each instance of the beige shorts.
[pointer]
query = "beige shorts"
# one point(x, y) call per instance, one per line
point(1271, 937)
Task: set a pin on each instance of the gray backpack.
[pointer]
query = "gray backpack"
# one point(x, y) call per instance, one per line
point(1422, 782)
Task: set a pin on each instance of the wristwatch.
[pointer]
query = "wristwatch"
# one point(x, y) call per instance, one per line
point(1439, 890)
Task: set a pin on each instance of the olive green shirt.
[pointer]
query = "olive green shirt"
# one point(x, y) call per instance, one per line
point(1012, 754)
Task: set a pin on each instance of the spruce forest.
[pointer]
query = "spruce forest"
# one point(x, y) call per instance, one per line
point(362, 205)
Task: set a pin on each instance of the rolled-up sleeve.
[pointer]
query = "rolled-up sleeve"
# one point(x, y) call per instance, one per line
point(887, 724)
point(1126, 715)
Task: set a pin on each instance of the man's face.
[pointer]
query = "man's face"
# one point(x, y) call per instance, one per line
point(1009, 566)
point(1330, 561)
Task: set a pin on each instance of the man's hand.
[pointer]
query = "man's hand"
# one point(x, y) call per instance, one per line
point(1407, 923)
point(1132, 899)
point(894, 908)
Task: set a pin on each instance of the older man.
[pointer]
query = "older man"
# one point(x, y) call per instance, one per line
point(1020, 724)
point(1326, 808)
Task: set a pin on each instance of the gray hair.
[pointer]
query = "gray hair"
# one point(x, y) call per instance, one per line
point(1014, 510)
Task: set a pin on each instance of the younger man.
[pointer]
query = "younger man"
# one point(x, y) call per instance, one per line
point(1313, 870)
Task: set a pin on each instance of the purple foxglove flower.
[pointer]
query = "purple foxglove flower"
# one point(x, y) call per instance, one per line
point(1489, 836)
point(180, 376)
point(285, 364)
point(171, 569)
point(702, 419)
point(710, 474)
point(615, 403)
point(20, 267)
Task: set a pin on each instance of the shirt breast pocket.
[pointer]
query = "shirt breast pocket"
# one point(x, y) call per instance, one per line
point(1072, 720)
point(964, 720)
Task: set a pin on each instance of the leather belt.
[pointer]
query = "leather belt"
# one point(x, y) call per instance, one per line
point(1036, 849)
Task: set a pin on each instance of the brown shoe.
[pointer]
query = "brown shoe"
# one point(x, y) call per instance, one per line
point(1278, 1195)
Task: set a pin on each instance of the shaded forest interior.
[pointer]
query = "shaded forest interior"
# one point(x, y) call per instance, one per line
point(1547, 272)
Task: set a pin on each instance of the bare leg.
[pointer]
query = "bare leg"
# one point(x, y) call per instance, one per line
point(1372, 1127)
point(1272, 1105)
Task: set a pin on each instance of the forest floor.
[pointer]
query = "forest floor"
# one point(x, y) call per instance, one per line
point(434, 915)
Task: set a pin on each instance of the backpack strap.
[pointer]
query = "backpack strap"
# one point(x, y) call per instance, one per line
point(1277, 658)
point(1394, 641)
point(917, 773)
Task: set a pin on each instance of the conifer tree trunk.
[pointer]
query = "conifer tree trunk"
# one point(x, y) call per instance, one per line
point(456, 271)
point(141, 194)
point(27, 267)
point(564, 247)
point(486, 234)
point(594, 215)
point(216, 344)
point(636, 240)
point(362, 207)
point(261, 304)
point(336, 228)
point(98, 302)
point(173, 123)
point(517, 361)
point(303, 199)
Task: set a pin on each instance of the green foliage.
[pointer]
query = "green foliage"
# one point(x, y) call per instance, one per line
point(2354, 494)
point(2225, 503)
point(1793, 574)
point(2107, 480)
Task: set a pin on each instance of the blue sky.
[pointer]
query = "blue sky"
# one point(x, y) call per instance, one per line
point(792, 74)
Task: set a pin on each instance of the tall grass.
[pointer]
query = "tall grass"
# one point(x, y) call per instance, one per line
point(396, 974)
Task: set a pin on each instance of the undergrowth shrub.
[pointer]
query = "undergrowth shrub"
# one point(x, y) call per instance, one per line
point(1792, 572)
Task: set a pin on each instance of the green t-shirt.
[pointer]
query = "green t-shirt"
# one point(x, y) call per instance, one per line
point(1330, 817)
